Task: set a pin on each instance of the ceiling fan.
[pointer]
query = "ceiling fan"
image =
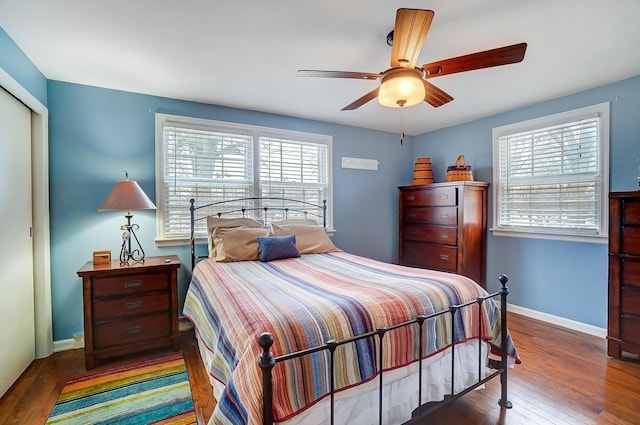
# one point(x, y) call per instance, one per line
point(405, 84)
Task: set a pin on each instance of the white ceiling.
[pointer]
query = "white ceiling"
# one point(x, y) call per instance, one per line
point(245, 53)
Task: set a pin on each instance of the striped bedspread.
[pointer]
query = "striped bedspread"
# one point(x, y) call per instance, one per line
point(307, 301)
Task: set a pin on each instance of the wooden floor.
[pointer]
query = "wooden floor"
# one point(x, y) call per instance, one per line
point(565, 378)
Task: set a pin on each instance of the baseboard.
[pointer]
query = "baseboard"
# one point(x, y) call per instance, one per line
point(559, 321)
point(69, 344)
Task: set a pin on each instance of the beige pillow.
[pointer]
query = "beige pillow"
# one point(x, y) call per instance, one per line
point(296, 221)
point(213, 222)
point(309, 239)
point(237, 243)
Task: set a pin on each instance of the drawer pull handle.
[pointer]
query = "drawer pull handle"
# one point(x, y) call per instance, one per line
point(134, 330)
point(411, 198)
point(444, 257)
point(444, 216)
point(133, 306)
point(412, 215)
point(444, 196)
point(133, 284)
point(444, 236)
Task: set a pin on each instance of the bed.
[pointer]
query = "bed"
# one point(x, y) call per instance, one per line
point(292, 330)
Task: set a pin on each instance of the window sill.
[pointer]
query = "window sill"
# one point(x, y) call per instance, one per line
point(600, 239)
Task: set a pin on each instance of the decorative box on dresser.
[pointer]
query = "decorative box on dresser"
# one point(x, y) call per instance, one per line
point(623, 328)
point(129, 308)
point(443, 226)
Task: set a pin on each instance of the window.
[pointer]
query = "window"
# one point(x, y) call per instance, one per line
point(551, 177)
point(212, 161)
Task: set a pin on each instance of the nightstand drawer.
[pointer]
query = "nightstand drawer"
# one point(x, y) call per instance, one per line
point(130, 306)
point(130, 284)
point(124, 332)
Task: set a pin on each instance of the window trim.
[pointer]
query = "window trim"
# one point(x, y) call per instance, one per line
point(601, 110)
point(247, 129)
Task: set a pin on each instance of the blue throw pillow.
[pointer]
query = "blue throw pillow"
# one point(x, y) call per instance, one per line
point(277, 247)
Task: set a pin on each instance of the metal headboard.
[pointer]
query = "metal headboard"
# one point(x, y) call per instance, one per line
point(240, 207)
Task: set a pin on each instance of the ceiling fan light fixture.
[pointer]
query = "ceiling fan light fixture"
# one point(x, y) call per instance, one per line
point(401, 87)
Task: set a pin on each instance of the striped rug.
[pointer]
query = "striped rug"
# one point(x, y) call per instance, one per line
point(151, 392)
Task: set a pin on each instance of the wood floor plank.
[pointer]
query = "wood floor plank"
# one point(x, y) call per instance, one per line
point(566, 378)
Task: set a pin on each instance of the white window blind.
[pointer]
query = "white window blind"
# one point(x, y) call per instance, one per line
point(211, 161)
point(550, 175)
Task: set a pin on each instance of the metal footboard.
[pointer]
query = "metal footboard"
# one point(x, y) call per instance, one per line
point(267, 361)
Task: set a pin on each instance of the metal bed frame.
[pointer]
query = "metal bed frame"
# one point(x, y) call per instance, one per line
point(266, 361)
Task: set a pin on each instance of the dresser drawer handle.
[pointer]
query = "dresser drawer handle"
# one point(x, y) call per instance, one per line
point(411, 198)
point(444, 196)
point(444, 236)
point(134, 330)
point(133, 284)
point(133, 305)
point(444, 216)
point(412, 215)
point(444, 257)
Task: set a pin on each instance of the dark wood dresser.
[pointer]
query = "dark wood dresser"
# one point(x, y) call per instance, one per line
point(623, 328)
point(443, 226)
point(129, 308)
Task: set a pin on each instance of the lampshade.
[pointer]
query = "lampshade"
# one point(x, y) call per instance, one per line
point(401, 87)
point(127, 195)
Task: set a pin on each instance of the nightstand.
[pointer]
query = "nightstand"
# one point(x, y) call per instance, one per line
point(129, 308)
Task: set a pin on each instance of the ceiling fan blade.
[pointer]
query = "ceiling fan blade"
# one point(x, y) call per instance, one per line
point(409, 34)
point(362, 100)
point(488, 58)
point(337, 74)
point(435, 96)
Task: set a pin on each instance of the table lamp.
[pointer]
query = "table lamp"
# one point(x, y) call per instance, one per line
point(127, 195)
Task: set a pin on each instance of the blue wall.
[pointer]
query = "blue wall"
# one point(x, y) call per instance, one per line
point(15, 63)
point(560, 278)
point(95, 134)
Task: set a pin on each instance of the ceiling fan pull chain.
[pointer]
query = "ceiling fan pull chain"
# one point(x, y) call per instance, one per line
point(401, 126)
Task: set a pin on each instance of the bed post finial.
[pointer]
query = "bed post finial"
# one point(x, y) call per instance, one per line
point(266, 363)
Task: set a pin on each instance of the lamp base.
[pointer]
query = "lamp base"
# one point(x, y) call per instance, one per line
point(126, 253)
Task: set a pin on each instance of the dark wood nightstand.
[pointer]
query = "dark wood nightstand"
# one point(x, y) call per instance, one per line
point(129, 308)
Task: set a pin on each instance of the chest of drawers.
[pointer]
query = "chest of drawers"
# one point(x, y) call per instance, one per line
point(129, 308)
point(443, 227)
point(623, 325)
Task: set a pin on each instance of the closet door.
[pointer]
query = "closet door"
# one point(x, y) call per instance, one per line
point(17, 332)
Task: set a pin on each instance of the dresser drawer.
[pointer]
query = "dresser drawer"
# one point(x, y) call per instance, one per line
point(630, 330)
point(631, 301)
point(630, 272)
point(630, 240)
point(437, 196)
point(128, 331)
point(631, 212)
point(445, 216)
point(130, 306)
point(129, 284)
point(434, 234)
point(430, 256)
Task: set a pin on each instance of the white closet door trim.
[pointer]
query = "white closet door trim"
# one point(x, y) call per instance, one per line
point(40, 183)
